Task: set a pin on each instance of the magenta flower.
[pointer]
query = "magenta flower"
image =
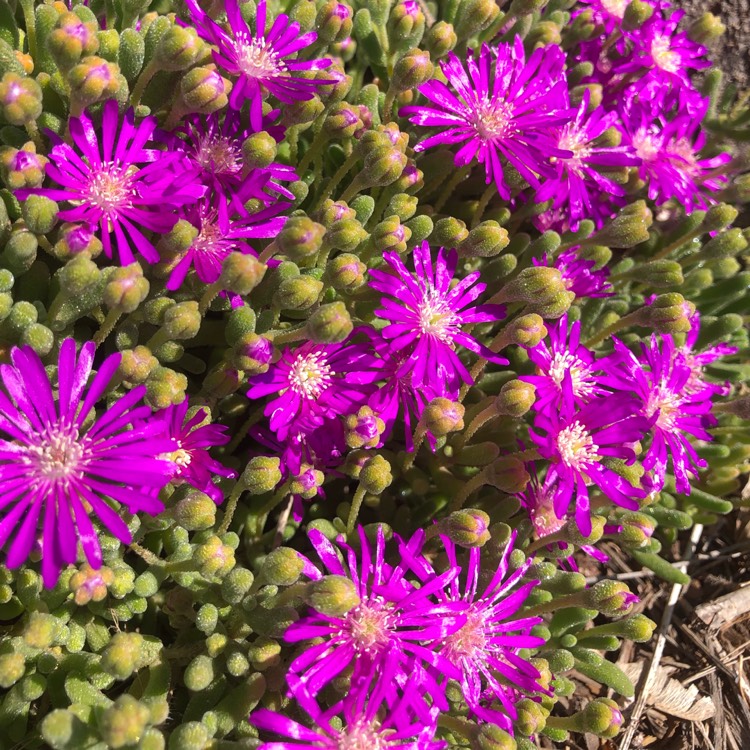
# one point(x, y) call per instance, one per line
point(504, 106)
point(576, 441)
point(389, 626)
point(315, 382)
point(56, 468)
point(426, 313)
point(262, 62)
point(697, 361)
point(580, 275)
point(191, 462)
point(117, 182)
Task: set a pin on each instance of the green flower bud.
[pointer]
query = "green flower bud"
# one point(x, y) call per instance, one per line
point(12, 669)
point(92, 80)
point(719, 217)
point(628, 228)
point(402, 205)
point(333, 22)
point(474, 16)
point(204, 90)
point(39, 338)
point(301, 112)
point(123, 722)
point(636, 14)
point(706, 29)
point(136, 365)
point(253, 354)
point(491, 737)
point(449, 232)
point(20, 99)
point(20, 251)
point(412, 179)
point(602, 717)
point(406, 24)
point(526, 7)
point(345, 235)
point(726, 244)
point(179, 48)
point(22, 169)
point(181, 321)
point(264, 653)
point(637, 529)
point(199, 674)
point(89, 585)
point(282, 567)
point(346, 273)
point(484, 241)
point(306, 482)
point(507, 474)
point(165, 387)
point(412, 69)
point(515, 398)
point(375, 476)
point(235, 585)
point(214, 558)
point(638, 628)
point(332, 596)
point(123, 655)
point(77, 239)
point(661, 273)
point(532, 717)
point(192, 735)
point(39, 213)
point(41, 630)
point(540, 287)
point(390, 235)
point(71, 40)
point(381, 167)
point(241, 273)
point(301, 238)
point(364, 206)
point(443, 416)
point(262, 474)
point(195, 512)
point(669, 313)
point(330, 324)
point(545, 33)
point(611, 598)
point(22, 315)
point(467, 528)
point(363, 429)
point(440, 39)
point(126, 288)
point(259, 150)
point(299, 293)
point(62, 729)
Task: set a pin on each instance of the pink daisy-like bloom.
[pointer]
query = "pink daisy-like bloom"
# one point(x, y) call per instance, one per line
point(697, 361)
point(189, 456)
point(264, 61)
point(425, 313)
point(57, 469)
point(504, 106)
point(117, 183)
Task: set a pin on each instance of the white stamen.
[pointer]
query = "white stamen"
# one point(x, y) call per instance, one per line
point(575, 446)
point(310, 375)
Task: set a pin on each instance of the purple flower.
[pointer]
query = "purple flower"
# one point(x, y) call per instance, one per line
point(57, 468)
point(388, 626)
point(696, 362)
point(191, 462)
point(262, 62)
point(315, 382)
point(505, 106)
point(218, 236)
point(564, 355)
point(579, 176)
point(365, 718)
point(426, 314)
point(576, 441)
point(580, 276)
point(117, 183)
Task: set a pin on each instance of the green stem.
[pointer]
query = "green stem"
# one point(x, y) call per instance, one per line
point(208, 296)
point(231, 507)
point(268, 252)
point(341, 172)
point(458, 176)
point(316, 147)
point(147, 555)
point(479, 421)
point(159, 338)
point(390, 97)
point(33, 130)
point(261, 514)
point(359, 496)
point(143, 80)
point(679, 242)
point(624, 322)
point(289, 337)
point(106, 327)
point(30, 20)
point(487, 196)
point(239, 434)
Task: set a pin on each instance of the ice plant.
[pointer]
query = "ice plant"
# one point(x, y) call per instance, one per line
point(579, 274)
point(58, 467)
point(264, 61)
point(425, 313)
point(117, 182)
point(190, 459)
point(502, 107)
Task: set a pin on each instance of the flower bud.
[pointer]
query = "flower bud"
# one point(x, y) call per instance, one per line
point(330, 324)
point(75, 239)
point(332, 212)
point(236, 585)
point(628, 228)
point(179, 48)
point(443, 416)
point(20, 251)
point(636, 529)
point(390, 235)
point(214, 558)
point(719, 217)
point(41, 630)
point(382, 166)
point(298, 293)
point(301, 112)
point(484, 241)
point(195, 512)
point(532, 718)
point(412, 69)
point(474, 16)
point(491, 737)
point(662, 274)
point(301, 239)
point(252, 353)
point(123, 723)
point(122, 655)
point(602, 717)
point(363, 429)
point(241, 273)
point(262, 474)
point(507, 474)
point(204, 90)
point(402, 205)
point(334, 22)
point(406, 24)
point(259, 150)
point(724, 245)
point(307, 482)
point(706, 29)
point(22, 315)
point(669, 313)
point(412, 178)
point(637, 12)
point(20, 99)
point(39, 213)
point(540, 287)
point(22, 169)
point(342, 121)
point(376, 475)
point(449, 232)
point(332, 596)
point(165, 387)
point(545, 33)
point(192, 735)
point(467, 528)
point(181, 321)
point(93, 79)
point(89, 585)
point(282, 567)
point(338, 83)
point(136, 364)
point(515, 398)
point(71, 40)
point(12, 669)
point(611, 598)
point(440, 39)
point(126, 288)
point(346, 273)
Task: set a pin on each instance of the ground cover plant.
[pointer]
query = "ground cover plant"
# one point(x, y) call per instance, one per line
point(338, 345)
